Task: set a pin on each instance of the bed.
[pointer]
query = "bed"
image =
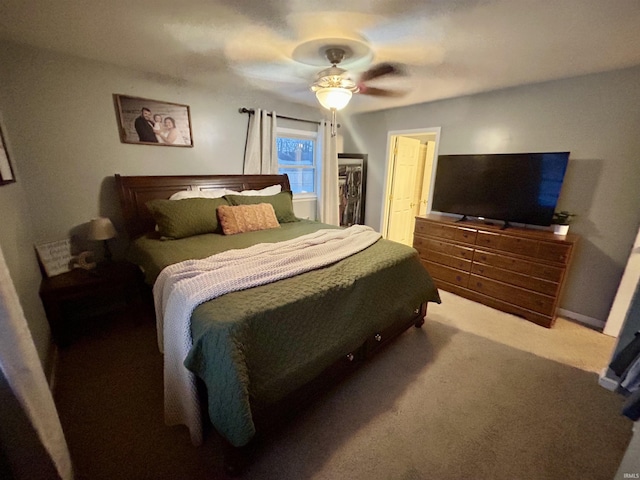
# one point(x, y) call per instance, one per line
point(257, 351)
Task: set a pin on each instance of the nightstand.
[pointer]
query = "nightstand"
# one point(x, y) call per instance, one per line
point(80, 294)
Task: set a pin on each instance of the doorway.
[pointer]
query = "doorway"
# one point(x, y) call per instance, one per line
point(411, 161)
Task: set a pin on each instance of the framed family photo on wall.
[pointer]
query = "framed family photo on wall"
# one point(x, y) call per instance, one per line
point(153, 122)
point(6, 172)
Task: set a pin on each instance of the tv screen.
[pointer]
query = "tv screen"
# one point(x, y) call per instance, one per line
point(512, 187)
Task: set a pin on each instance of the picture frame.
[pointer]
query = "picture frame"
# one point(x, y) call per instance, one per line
point(352, 187)
point(143, 121)
point(55, 257)
point(6, 170)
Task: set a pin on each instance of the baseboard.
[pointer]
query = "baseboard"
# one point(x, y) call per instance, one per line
point(578, 317)
point(606, 382)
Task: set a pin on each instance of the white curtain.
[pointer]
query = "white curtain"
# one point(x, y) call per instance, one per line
point(261, 154)
point(23, 372)
point(328, 210)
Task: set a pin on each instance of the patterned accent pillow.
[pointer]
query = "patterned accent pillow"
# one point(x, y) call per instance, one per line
point(247, 218)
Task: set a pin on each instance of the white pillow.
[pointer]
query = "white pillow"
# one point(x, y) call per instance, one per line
point(215, 193)
point(272, 190)
point(186, 194)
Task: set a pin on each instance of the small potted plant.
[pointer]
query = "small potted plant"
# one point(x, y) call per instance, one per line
point(561, 221)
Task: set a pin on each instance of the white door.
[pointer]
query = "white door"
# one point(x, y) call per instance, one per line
point(402, 208)
point(419, 180)
point(426, 176)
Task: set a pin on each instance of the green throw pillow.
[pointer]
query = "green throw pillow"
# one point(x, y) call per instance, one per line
point(187, 217)
point(282, 204)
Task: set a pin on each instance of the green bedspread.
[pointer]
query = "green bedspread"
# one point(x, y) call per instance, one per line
point(258, 345)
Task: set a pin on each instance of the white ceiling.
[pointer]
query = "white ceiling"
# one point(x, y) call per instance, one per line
point(450, 47)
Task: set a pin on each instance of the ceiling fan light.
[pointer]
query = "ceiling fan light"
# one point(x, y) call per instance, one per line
point(333, 97)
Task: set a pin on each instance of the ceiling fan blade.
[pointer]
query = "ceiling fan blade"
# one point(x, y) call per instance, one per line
point(380, 92)
point(382, 69)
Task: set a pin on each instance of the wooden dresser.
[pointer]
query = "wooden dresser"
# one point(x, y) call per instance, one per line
point(517, 270)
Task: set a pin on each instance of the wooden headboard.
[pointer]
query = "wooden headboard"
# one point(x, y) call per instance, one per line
point(136, 191)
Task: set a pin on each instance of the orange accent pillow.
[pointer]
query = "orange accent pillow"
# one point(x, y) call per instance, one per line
point(247, 218)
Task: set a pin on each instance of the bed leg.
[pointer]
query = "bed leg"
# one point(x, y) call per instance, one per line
point(421, 314)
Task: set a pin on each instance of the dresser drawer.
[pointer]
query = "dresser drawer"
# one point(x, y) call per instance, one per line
point(515, 295)
point(521, 246)
point(555, 252)
point(514, 278)
point(430, 245)
point(448, 260)
point(465, 235)
point(435, 229)
point(508, 263)
point(420, 244)
point(487, 239)
point(448, 232)
point(447, 274)
point(507, 243)
point(546, 272)
point(460, 252)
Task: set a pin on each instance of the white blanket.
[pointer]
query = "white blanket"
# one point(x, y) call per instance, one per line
point(181, 287)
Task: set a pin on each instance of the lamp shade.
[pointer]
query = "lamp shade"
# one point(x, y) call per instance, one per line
point(333, 97)
point(101, 228)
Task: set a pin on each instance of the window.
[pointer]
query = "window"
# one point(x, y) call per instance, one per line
point(297, 158)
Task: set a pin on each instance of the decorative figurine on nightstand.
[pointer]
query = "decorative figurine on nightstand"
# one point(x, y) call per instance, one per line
point(83, 260)
point(101, 228)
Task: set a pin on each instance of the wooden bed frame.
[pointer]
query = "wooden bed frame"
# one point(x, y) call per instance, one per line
point(135, 191)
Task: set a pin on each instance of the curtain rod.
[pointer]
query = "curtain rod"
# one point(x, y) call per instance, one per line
point(251, 111)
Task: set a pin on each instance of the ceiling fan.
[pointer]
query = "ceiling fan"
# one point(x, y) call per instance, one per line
point(333, 86)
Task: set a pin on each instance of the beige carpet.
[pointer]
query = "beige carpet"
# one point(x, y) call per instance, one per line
point(567, 342)
point(473, 394)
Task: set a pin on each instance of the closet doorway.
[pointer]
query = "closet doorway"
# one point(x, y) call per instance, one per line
point(411, 161)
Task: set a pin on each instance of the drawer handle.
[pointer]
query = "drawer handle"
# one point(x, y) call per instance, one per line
point(378, 337)
point(458, 278)
point(478, 284)
point(350, 357)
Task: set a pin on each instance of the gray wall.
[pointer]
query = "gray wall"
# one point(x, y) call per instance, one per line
point(60, 124)
point(595, 117)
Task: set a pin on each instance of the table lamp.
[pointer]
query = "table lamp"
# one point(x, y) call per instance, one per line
point(101, 228)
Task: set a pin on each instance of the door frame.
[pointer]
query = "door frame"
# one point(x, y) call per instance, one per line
point(388, 178)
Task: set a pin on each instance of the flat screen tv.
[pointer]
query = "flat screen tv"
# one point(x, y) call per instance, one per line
point(512, 187)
